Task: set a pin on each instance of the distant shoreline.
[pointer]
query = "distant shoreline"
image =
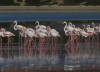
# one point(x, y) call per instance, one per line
point(50, 8)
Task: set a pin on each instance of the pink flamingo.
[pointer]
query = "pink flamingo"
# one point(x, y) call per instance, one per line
point(1, 35)
point(30, 33)
point(98, 42)
point(84, 35)
point(69, 29)
point(21, 29)
point(76, 41)
point(54, 34)
point(91, 32)
point(9, 35)
point(40, 31)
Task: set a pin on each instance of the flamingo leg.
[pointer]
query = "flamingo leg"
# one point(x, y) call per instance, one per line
point(11, 41)
point(25, 46)
point(52, 45)
point(30, 46)
point(66, 45)
point(47, 43)
point(94, 42)
point(1, 46)
point(97, 50)
point(88, 45)
point(19, 43)
point(35, 48)
point(8, 47)
point(72, 44)
point(77, 45)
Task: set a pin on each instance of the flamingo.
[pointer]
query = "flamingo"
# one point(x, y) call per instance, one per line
point(54, 34)
point(76, 41)
point(69, 29)
point(31, 33)
point(28, 33)
point(1, 35)
point(84, 35)
point(41, 32)
point(98, 42)
point(95, 31)
point(21, 29)
point(91, 32)
point(9, 35)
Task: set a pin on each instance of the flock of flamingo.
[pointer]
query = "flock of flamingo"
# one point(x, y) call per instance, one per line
point(81, 41)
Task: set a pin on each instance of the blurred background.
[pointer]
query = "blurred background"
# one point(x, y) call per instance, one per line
point(49, 2)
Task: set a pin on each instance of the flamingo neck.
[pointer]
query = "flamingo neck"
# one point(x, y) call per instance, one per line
point(15, 26)
point(38, 23)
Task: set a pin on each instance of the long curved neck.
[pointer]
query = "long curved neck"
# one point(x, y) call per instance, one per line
point(66, 23)
point(15, 26)
point(93, 25)
point(38, 23)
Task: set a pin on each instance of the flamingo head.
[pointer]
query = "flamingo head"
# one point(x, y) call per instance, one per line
point(70, 23)
point(93, 24)
point(73, 26)
point(83, 25)
point(88, 26)
point(15, 22)
point(37, 22)
point(64, 22)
